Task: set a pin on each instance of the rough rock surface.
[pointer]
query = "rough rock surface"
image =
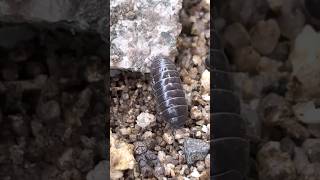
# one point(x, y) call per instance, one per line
point(82, 14)
point(141, 30)
point(195, 149)
point(278, 83)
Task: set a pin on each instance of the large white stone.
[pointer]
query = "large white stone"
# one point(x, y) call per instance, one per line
point(141, 30)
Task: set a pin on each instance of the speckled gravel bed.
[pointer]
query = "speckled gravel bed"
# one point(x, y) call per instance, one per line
point(52, 103)
point(274, 50)
point(133, 115)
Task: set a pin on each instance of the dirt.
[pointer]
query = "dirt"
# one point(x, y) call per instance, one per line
point(52, 103)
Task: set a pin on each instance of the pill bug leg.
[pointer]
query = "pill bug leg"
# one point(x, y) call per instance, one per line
point(229, 147)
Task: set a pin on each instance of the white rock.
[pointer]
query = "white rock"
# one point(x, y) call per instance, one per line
point(195, 173)
point(305, 59)
point(162, 156)
point(204, 128)
point(206, 97)
point(307, 112)
point(205, 80)
point(197, 60)
point(169, 170)
point(145, 119)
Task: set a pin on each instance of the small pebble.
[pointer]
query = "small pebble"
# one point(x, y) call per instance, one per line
point(161, 156)
point(168, 138)
point(265, 36)
point(195, 173)
point(145, 119)
point(182, 133)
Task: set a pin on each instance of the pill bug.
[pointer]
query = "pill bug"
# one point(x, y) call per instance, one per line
point(230, 149)
point(168, 92)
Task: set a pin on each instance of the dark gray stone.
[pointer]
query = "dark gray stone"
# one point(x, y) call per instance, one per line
point(195, 150)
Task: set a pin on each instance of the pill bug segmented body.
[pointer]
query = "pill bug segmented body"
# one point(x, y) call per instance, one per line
point(229, 147)
point(168, 91)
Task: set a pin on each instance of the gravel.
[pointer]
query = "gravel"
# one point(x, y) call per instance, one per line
point(276, 78)
point(52, 113)
point(133, 117)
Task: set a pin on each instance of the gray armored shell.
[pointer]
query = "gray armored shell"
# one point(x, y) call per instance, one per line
point(168, 91)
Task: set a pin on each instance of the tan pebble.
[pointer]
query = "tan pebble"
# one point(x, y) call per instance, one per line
point(121, 155)
point(169, 170)
point(162, 156)
point(205, 175)
point(182, 133)
point(125, 131)
point(183, 168)
point(147, 135)
point(196, 113)
point(168, 138)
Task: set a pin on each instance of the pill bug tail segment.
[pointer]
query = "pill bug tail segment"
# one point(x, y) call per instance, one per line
point(230, 149)
point(170, 97)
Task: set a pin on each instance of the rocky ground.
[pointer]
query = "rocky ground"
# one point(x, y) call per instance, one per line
point(274, 48)
point(52, 103)
point(151, 148)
